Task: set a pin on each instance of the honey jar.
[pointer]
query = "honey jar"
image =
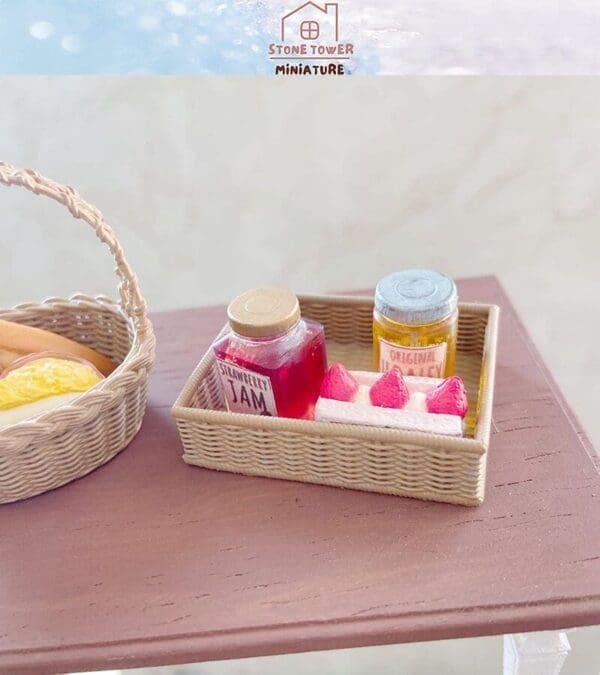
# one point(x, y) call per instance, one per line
point(415, 321)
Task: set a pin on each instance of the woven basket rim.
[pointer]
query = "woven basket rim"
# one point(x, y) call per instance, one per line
point(328, 429)
point(83, 299)
point(478, 445)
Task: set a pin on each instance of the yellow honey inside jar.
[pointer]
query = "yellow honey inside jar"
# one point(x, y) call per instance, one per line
point(415, 322)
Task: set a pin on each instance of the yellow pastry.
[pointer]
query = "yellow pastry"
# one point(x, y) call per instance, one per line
point(41, 382)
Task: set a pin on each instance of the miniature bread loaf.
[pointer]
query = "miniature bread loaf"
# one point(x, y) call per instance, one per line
point(17, 340)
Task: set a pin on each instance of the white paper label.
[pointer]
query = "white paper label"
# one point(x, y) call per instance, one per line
point(416, 361)
point(246, 391)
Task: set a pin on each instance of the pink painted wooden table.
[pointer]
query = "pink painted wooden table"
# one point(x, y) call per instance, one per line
point(148, 561)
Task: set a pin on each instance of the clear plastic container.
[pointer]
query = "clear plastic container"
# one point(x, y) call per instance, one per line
point(272, 361)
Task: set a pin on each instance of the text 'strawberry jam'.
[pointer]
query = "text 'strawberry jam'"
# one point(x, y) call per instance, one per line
point(415, 323)
point(272, 361)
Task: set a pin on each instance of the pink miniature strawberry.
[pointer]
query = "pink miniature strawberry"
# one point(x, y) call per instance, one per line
point(390, 390)
point(448, 398)
point(339, 384)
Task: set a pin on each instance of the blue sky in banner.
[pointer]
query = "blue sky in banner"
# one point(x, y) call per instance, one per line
point(231, 36)
point(141, 36)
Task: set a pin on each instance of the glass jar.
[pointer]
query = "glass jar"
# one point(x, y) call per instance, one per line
point(272, 361)
point(415, 322)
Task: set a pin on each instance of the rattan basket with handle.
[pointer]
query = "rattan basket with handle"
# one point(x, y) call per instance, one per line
point(43, 453)
point(412, 464)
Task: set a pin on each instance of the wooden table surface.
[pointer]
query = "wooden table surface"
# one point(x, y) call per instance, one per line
point(148, 561)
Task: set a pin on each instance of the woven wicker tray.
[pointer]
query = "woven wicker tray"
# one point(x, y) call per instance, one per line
point(43, 453)
point(412, 464)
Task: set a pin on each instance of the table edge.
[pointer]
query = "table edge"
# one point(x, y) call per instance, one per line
point(305, 637)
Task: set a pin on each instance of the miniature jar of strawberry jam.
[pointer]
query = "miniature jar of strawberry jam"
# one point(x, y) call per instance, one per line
point(415, 322)
point(272, 361)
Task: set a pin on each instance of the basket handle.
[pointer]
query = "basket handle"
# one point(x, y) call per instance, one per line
point(132, 302)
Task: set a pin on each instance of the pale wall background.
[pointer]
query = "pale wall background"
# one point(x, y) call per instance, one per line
point(218, 184)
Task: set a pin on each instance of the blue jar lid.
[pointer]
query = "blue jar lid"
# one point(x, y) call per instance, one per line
point(416, 296)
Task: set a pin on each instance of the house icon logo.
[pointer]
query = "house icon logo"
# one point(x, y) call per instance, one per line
point(309, 42)
point(310, 22)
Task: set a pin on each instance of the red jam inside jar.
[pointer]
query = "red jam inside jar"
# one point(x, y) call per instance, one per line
point(272, 361)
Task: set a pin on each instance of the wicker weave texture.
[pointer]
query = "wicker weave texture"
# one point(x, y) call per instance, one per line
point(412, 464)
point(43, 453)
